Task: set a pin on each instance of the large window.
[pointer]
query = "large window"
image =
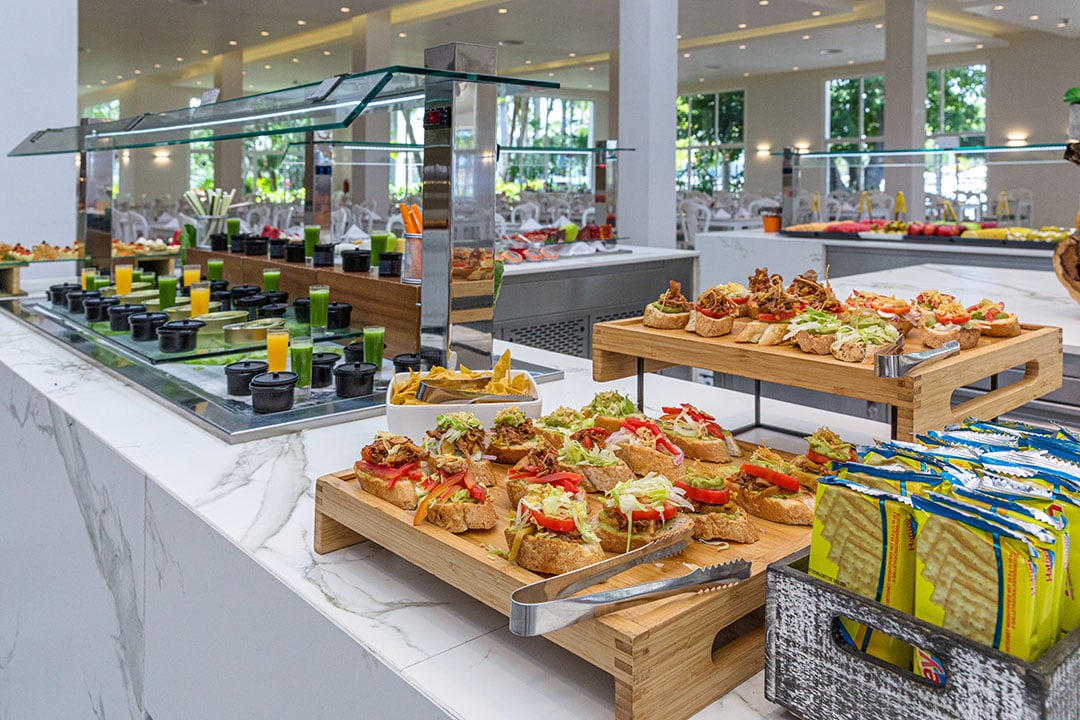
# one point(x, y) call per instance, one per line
point(544, 122)
point(855, 115)
point(709, 142)
point(956, 117)
point(107, 110)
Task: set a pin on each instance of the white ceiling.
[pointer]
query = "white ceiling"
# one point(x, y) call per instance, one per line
point(563, 40)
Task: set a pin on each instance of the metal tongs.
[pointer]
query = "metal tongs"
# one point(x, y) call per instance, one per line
point(544, 606)
point(890, 362)
point(463, 391)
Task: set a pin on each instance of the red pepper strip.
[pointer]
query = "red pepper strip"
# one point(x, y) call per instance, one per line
point(386, 472)
point(559, 525)
point(636, 423)
point(445, 487)
point(477, 490)
point(697, 415)
point(779, 479)
point(715, 430)
point(705, 495)
point(666, 512)
point(819, 459)
point(523, 471)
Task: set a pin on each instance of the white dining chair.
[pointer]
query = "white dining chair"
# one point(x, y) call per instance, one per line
point(395, 222)
point(693, 219)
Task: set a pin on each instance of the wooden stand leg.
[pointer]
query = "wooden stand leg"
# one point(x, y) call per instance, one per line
point(330, 535)
point(9, 281)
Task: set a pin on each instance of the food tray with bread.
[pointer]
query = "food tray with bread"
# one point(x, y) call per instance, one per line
point(801, 334)
point(490, 528)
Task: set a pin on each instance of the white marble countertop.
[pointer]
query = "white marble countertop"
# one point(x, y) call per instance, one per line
point(1037, 250)
point(1035, 296)
point(637, 254)
point(259, 496)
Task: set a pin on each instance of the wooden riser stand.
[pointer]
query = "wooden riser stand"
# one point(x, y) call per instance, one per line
point(9, 281)
point(922, 399)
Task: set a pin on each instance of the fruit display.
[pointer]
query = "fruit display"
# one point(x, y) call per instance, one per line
point(967, 230)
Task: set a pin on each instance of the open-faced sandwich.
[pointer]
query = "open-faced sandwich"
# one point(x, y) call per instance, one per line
point(861, 337)
point(992, 319)
point(768, 487)
point(932, 299)
point(512, 436)
point(713, 314)
point(715, 514)
point(814, 331)
point(608, 408)
point(896, 312)
point(770, 307)
point(737, 294)
point(950, 321)
point(392, 468)
point(556, 426)
point(454, 498)
point(809, 292)
point(586, 452)
point(671, 311)
point(824, 449)
point(698, 434)
point(646, 449)
point(551, 532)
point(540, 467)
point(462, 434)
point(638, 511)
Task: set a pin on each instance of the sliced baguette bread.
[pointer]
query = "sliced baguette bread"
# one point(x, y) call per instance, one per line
point(403, 494)
point(656, 318)
point(935, 337)
point(643, 460)
point(729, 522)
point(614, 540)
point(797, 509)
point(459, 517)
point(553, 555)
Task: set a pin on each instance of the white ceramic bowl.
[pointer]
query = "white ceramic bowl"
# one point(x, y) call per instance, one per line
point(414, 421)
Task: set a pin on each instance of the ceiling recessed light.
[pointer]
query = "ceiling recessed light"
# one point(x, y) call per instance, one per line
point(763, 3)
point(528, 62)
point(948, 39)
point(301, 22)
point(401, 34)
point(325, 52)
point(88, 85)
point(850, 62)
point(795, 69)
point(233, 43)
point(157, 65)
point(1063, 22)
point(296, 59)
point(742, 26)
point(251, 87)
point(686, 55)
point(264, 33)
point(119, 77)
point(999, 7)
point(503, 11)
point(266, 66)
point(591, 68)
point(345, 9)
point(1033, 17)
point(243, 72)
point(102, 82)
point(589, 85)
point(179, 59)
point(572, 54)
point(701, 79)
point(511, 43)
point(198, 82)
point(742, 47)
point(816, 13)
point(805, 37)
point(551, 74)
point(979, 46)
point(679, 36)
point(746, 74)
point(878, 26)
point(138, 71)
point(204, 51)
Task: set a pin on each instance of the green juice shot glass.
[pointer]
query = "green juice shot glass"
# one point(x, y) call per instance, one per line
point(166, 291)
point(374, 343)
point(311, 239)
point(271, 280)
point(319, 308)
point(215, 269)
point(300, 354)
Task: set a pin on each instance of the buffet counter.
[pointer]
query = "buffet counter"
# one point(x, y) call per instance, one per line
point(735, 254)
point(163, 571)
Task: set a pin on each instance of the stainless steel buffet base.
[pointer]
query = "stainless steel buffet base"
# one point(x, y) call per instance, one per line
point(226, 418)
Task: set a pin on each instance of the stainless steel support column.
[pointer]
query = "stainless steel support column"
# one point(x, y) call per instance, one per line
point(788, 185)
point(318, 180)
point(604, 181)
point(94, 200)
point(456, 314)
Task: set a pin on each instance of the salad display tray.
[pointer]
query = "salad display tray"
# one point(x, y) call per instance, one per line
point(922, 400)
point(669, 658)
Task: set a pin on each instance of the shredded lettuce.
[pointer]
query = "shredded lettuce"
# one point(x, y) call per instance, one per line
point(455, 425)
point(815, 322)
point(647, 493)
point(574, 453)
point(716, 481)
point(555, 502)
point(612, 404)
point(870, 334)
point(566, 419)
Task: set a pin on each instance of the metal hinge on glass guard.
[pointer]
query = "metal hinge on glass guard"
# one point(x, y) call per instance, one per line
point(544, 606)
point(891, 363)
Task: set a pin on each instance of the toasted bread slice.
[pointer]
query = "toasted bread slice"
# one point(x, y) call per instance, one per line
point(751, 332)
point(553, 555)
point(614, 540)
point(608, 422)
point(729, 522)
point(852, 352)
point(1006, 327)
point(510, 454)
point(935, 338)
point(816, 344)
point(462, 516)
point(902, 325)
point(795, 509)
point(601, 478)
point(773, 334)
point(403, 494)
point(706, 326)
point(665, 321)
point(481, 470)
point(554, 438)
point(643, 460)
point(713, 450)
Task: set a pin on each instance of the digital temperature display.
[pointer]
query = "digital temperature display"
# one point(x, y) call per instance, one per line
point(437, 118)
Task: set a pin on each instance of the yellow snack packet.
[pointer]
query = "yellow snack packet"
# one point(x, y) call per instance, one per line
point(863, 540)
point(890, 478)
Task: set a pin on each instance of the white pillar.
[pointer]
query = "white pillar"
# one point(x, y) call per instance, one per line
point(905, 95)
point(39, 87)
point(611, 130)
point(370, 50)
point(229, 154)
point(648, 67)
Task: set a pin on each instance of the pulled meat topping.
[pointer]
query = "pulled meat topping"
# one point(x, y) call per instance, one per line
point(505, 435)
point(674, 299)
point(539, 461)
point(715, 302)
point(392, 450)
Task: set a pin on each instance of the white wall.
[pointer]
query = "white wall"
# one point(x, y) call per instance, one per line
point(38, 86)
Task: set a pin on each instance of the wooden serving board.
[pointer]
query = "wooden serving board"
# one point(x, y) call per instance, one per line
point(669, 658)
point(922, 398)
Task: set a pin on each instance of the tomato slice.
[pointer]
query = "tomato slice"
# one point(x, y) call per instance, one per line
point(705, 495)
point(773, 317)
point(666, 512)
point(739, 300)
point(819, 459)
point(891, 309)
point(478, 491)
point(712, 314)
point(390, 473)
point(559, 525)
point(779, 479)
point(956, 319)
point(662, 441)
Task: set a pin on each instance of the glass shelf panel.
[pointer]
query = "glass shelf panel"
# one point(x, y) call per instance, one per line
point(916, 157)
